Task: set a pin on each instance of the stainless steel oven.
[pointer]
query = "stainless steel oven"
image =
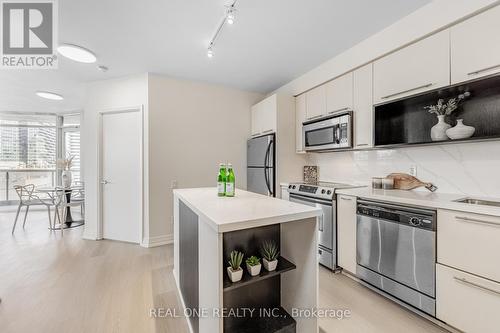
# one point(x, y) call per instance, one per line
point(396, 252)
point(327, 228)
point(328, 133)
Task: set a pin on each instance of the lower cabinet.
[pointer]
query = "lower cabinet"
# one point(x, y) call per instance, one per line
point(346, 232)
point(467, 302)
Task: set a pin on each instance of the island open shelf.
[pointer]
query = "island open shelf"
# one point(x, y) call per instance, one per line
point(207, 228)
point(283, 266)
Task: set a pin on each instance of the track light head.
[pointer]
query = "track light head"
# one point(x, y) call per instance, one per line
point(210, 52)
point(230, 15)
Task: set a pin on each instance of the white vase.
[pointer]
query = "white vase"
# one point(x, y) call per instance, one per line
point(236, 275)
point(460, 131)
point(438, 131)
point(254, 270)
point(67, 178)
point(270, 265)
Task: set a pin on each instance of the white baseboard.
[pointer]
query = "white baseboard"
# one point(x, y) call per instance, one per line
point(158, 241)
point(89, 236)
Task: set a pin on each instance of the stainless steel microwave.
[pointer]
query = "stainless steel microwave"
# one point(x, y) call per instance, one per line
point(328, 133)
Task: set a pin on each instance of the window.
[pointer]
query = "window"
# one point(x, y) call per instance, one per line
point(72, 148)
point(28, 151)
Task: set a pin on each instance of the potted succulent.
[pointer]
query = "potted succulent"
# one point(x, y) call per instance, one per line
point(270, 253)
point(234, 271)
point(253, 265)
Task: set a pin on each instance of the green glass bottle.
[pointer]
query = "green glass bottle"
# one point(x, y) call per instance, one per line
point(221, 180)
point(230, 181)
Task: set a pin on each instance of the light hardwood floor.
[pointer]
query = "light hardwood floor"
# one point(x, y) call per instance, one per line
point(50, 283)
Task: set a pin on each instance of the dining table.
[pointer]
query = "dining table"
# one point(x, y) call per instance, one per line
point(69, 221)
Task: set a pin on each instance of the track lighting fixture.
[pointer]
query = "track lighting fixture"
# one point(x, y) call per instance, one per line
point(229, 19)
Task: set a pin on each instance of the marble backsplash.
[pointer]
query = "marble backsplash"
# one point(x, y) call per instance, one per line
point(469, 169)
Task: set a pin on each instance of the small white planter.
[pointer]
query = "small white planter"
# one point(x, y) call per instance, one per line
point(270, 265)
point(236, 275)
point(254, 270)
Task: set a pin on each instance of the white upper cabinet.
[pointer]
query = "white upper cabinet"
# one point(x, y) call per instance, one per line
point(300, 117)
point(264, 116)
point(339, 94)
point(316, 102)
point(414, 69)
point(363, 107)
point(475, 47)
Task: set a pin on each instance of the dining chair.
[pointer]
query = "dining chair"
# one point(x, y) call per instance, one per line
point(80, 195)
point(63, 202)
point(28, 198)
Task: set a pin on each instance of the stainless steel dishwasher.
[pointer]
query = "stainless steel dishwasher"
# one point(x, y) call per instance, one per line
point(396, 252)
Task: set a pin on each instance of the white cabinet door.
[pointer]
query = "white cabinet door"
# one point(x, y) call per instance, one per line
point(363, 107)
point(300, 117)
point(470, 242)
point(475, 47)
point(339, 94)
point(466, 301)
point(346, 228)
point(264, 116)
point(316, 103)
point(414, 69)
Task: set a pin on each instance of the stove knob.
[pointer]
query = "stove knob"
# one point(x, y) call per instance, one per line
point(289, 186)
point(322, 191)
point(328, 192)
point(293, 187)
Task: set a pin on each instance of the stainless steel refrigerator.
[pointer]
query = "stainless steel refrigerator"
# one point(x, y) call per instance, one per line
point(261, 171)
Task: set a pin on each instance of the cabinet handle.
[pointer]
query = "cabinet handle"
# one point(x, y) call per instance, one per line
point(464, 281)
point(339, 110)
point(311, 118)
point(467, 219)
point(362, 145)
point(267, 131)
point(409, 90)
point(483, 70)
point(346, 199)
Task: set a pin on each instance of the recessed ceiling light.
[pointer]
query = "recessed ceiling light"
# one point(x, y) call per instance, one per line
point(49, 95)
point(77, 53)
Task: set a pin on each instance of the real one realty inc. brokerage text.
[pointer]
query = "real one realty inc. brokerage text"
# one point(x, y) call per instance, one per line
point(248, 312)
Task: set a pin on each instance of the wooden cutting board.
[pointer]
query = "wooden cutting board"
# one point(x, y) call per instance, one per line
point(404, 181)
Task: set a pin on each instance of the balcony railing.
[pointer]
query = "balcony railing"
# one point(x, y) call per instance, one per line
point(11, 177)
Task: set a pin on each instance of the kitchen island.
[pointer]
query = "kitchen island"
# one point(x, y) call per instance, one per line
point(207, 228)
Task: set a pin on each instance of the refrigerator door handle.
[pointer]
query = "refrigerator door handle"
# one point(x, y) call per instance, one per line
point(266, 167)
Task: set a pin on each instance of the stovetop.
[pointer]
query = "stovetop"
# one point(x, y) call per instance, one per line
point(323, 190)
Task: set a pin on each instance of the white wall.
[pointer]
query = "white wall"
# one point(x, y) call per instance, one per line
point(192, 128)
point(104, 95)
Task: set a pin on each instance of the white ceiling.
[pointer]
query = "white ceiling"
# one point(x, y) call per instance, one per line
point(271, 43)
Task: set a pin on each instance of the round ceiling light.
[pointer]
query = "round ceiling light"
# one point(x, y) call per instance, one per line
point(77, 53)
point(49, 95)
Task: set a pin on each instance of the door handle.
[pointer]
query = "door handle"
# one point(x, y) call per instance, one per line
point(339, 110)
point(470, 220)
point(409, 90)
point(104, 182)
point(472, 284)
point(483, 70)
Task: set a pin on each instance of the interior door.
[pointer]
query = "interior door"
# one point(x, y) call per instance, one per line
point(121, 176)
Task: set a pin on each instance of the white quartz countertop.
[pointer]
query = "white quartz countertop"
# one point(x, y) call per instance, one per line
point(423, 199)
point(245, 210)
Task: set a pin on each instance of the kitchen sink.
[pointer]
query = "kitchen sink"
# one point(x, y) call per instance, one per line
point(473, 201)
